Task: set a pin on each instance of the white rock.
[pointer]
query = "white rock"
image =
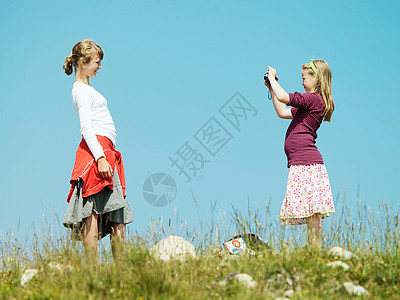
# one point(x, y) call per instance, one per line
point(222, 283)
point(289, 281)
point(288, 293)
point(280, 279)
point(59, 267)
point(28, 275)
point(55, 266)
point(173, 247)
point(338, 263)
point(355, 289)
point(338, 251)
point(246, 279)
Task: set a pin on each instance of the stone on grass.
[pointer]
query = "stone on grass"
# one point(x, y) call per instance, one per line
point(59, 267)
point(340, 252)
point(288, 293)
point(173, 247)
point(55, 266)
point(244, 279)
point(353, 289)
point(222, 282)
point(28, 275)
point(280, 279)
point(337, 263)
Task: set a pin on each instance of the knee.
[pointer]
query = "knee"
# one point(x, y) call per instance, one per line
point(118, 230)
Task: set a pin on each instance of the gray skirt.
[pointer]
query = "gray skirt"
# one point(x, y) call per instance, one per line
point(110, 205)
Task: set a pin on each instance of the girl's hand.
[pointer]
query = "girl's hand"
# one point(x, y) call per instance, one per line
point(276, 78)
point(104, 168)
point(272, 73)
point(267, 85)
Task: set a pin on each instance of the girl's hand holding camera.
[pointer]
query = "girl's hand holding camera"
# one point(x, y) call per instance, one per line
point(271, 73)
point(268, 76)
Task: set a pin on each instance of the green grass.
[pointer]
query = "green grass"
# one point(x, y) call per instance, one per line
point(289, 265)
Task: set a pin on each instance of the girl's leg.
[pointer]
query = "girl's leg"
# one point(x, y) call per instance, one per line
point(117, 239)
point(90, 235)
point(314, 227)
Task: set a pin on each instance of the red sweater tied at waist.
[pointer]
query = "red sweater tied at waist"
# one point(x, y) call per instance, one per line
point(86, 168)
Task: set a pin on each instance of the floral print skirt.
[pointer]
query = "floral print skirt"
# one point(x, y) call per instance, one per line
point(308, 192)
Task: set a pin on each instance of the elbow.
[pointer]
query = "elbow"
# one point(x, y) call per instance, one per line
point(281, 116)
point(284, 98)
point(285, 114)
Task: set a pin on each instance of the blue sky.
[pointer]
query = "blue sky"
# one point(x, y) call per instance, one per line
point(169, 67)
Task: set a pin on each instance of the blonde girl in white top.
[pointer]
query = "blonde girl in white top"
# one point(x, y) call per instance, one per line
point(104, 210)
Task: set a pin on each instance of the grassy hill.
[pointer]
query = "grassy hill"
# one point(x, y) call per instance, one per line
point(289, 269)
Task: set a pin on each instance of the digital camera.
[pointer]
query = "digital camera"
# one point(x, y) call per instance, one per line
point(266, 78)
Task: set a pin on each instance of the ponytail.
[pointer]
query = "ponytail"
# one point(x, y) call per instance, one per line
point(68, 65)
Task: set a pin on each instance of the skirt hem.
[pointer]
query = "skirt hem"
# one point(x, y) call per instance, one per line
point(302, 219)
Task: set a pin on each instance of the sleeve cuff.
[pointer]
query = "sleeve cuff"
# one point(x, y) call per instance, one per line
point(98, 155)
point(290, 99)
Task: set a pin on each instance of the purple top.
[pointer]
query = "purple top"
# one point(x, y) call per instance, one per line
point(301, 134)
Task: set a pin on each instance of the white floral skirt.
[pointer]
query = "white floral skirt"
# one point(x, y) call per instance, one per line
point(308, 192)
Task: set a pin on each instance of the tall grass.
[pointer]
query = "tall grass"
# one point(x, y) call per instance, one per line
point(372, 235)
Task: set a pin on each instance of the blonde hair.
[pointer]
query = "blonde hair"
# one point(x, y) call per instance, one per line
point(82, 53)
point(322, 85)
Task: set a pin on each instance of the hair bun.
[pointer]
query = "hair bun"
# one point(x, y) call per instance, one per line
point(68, 65)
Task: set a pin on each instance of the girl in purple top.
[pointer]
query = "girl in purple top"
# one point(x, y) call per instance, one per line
point(308, 197)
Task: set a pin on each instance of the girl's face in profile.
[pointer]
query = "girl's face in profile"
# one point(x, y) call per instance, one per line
point(92, 67)
point(308, 81)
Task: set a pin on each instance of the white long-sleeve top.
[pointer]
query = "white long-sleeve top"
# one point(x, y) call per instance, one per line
point(94, 117)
